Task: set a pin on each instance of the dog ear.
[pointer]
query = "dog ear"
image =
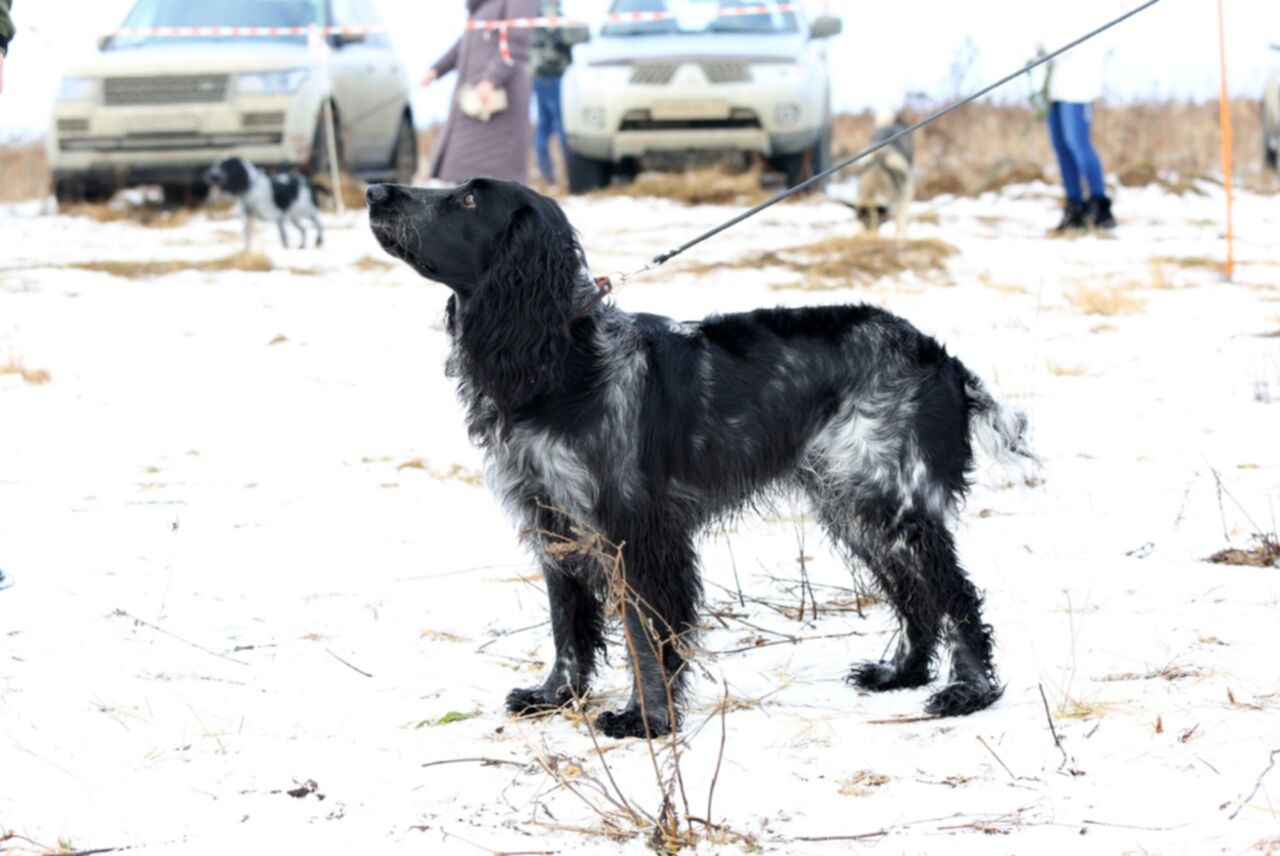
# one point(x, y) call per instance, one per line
point(515, 328)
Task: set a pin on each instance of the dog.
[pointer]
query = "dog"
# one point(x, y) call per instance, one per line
point(290, 197)
point(886, 184)
point(648, 430)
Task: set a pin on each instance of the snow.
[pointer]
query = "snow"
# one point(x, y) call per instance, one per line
point(227, 585)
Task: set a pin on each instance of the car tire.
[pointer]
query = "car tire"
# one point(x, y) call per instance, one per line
point(190, 194)
point(404, 158)
point(588, 174)
point(74, 190)
point(800, 166)
point(318, 163)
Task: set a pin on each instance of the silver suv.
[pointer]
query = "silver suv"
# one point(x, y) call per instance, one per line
point(149, 109)
point(698, 76)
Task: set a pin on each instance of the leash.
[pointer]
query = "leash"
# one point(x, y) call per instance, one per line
point(663, 258)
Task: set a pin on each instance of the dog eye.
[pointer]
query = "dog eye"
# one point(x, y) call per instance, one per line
point(469, 201)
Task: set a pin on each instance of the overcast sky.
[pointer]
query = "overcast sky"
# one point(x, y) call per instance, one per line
point(888, 48)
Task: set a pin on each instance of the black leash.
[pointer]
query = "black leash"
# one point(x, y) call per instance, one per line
point(751, 212)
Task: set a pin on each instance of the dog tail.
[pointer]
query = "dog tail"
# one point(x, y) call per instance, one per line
point(999, 429)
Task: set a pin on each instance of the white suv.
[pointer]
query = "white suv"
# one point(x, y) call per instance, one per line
point(699, 77)
point(148, 109)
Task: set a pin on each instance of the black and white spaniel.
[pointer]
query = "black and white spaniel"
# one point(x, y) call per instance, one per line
point(276, 199)
point(649, 429)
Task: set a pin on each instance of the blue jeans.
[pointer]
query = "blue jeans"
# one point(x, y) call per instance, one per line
point(547, 90)
point(1069, 126)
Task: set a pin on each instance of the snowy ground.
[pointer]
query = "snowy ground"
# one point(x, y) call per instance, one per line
point(229, 585)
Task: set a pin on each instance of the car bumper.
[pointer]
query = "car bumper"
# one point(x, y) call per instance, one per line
point(163, 140)
point(611, 122)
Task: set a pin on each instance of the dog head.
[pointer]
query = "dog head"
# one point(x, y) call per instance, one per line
point(515, 267)
point(230, 175)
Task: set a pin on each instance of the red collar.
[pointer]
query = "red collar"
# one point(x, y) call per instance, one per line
point(604, 286)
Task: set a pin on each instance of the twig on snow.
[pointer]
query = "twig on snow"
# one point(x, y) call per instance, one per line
point(1271, 762)
point(997, 757)
point(1057, 741)
point(138, 621)
point(347, 664)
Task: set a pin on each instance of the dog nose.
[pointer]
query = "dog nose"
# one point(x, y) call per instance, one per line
point(377, 193)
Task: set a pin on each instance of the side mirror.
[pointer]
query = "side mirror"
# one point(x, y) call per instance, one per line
point(825, 26)
point(103, 41)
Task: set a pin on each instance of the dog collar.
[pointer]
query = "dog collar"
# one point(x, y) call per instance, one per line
point(604, 285)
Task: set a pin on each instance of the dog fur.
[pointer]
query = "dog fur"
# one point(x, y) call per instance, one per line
point(283, 198)
point(886, 183)
point(649, 430)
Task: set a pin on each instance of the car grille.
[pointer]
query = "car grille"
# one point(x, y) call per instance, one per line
point(726, 72)
point(190, 89)
point(73, 126)
point(661, 73)
point(654, 73)
point(262, 120)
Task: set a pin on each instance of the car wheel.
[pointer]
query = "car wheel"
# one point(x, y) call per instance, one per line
point(627, 170)
point(588, 174)
point(318, 163)
point(73, 190)
point(192, 193)
point(800, 166)
point(404, 160)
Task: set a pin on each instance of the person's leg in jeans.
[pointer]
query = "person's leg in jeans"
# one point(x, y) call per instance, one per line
point(1073, 211)
point(547, 91)
point(1077, 122)
point(559, 120)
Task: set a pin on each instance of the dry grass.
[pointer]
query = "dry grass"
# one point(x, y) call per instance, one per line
point(1063, 370)
point(704, 186)
point(246, 262)
point(24, 172)
point(1105, 300)
point(153, 214)
point(35, 377)
point(369, 263)
point(839, 262)
point(1265, 553)
point(862, 784)
point(456, 472)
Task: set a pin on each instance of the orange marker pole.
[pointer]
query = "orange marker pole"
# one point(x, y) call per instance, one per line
point(1224, 120)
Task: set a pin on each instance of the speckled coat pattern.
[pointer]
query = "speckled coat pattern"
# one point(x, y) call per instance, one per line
point(500, 147)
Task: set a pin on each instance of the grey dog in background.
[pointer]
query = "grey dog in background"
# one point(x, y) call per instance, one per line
point(290, 197)
point(886, 184)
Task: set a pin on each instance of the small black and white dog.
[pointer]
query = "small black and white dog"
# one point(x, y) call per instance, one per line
point(649, 429)
point(290, 197)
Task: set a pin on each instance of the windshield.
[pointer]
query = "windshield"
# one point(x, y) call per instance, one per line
point(700, 16)
point(218, 13)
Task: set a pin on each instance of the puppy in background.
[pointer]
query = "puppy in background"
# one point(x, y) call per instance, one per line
point(886, 184)
point(290, 197)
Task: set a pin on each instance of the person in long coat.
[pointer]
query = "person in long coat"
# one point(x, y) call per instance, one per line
point(468, 146)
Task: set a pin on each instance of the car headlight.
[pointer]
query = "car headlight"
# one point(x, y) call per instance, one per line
point(77, 89)
point(271, 82)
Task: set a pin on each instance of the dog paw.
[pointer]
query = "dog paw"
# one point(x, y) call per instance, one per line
point(878, 676)
point(629, 723)
point(531, 701)
point(961, 698)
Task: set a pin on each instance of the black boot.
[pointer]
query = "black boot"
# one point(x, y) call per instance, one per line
point(1098, 213)
point(1072, 218)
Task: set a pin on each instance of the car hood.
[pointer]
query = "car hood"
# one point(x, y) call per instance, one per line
point(181, 56)
point(611, 50)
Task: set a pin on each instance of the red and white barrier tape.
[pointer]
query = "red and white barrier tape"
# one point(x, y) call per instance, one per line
point(237, 32)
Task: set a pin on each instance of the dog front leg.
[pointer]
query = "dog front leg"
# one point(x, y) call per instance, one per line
point(577, 625)
point(661, 592)
point(248, 227)
point(284, 236)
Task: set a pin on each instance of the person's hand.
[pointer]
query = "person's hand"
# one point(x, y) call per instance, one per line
point(485, 91)
point(1, 71)
point(429, 78)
